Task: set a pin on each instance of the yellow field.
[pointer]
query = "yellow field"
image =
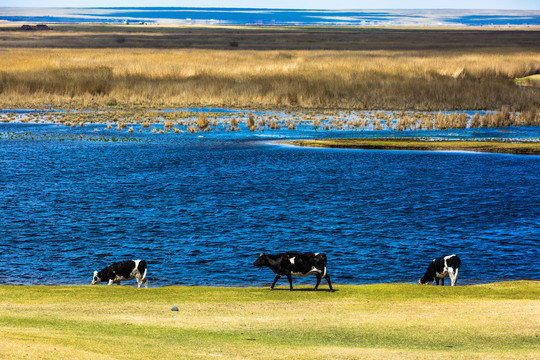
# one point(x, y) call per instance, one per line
point(387, 321)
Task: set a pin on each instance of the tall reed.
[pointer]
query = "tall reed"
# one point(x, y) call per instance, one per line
point(389, 80)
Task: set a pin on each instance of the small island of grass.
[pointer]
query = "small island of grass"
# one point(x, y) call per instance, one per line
point(521, 148)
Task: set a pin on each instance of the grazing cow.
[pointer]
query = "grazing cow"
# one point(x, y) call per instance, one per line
point(121, 271)
point(440, 268)
point(297, 264)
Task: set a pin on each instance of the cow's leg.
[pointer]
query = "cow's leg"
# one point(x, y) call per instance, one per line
point(110, 282)
point(319, 277)
point(327, 277)
point(141, 280)
point(453, 277)
point(442, 282)
point(437, 280)
point(275, 281)
point(452, 280)
point(289, 277)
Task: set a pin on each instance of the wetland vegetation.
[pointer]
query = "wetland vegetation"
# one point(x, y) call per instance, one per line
point(86, 67)
point(203, 120)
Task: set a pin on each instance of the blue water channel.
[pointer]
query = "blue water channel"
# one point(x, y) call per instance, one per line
point(201, 207)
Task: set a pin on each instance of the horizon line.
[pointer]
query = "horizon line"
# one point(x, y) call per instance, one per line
point(262, 8)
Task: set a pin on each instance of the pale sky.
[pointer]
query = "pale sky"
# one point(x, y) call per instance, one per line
point(288, 4)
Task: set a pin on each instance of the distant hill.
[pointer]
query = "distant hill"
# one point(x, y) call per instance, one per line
point(247, 16)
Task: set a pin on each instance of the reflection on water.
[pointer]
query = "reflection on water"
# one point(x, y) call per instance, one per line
point(201, 207)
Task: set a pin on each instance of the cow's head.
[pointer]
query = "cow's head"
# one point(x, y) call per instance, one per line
point(96, 279)
point(429, 276)
point(424, 280)
point(261, 261)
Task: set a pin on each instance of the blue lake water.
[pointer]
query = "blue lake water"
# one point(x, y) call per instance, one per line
point(261, 16)
point(201, 207)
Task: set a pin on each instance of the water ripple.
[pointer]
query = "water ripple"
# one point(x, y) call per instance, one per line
point(200, 211)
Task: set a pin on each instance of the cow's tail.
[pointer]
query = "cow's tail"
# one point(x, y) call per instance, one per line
point(324, 264)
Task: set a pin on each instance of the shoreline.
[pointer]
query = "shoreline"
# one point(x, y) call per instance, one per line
point(501, 147)
point(302, 285)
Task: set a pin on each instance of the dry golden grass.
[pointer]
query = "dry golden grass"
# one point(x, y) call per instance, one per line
point(391, 80)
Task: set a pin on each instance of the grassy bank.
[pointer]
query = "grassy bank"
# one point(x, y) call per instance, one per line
point(525, 148)
point(315, 68)
point(532, 80)
point(406, 321)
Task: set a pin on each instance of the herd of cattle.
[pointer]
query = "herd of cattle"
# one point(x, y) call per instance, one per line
point(287, 264)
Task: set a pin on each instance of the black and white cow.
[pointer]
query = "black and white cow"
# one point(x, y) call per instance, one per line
point(297, 264)
point(440, 268)
point(121, 271)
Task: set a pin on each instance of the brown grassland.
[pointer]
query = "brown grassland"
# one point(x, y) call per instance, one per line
point(269, 68)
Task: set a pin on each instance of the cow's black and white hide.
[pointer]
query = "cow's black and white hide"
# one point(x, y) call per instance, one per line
point(440, 268)
point(295, 264)
point(121, 271)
